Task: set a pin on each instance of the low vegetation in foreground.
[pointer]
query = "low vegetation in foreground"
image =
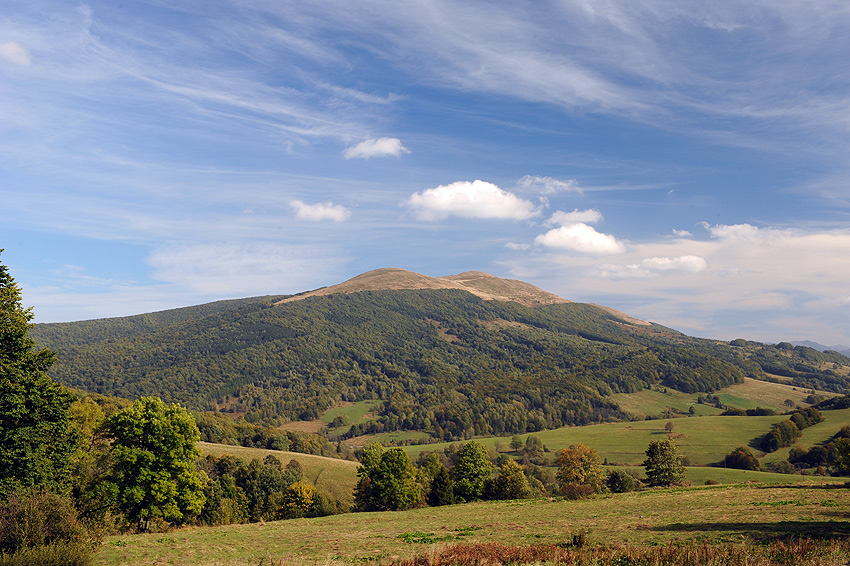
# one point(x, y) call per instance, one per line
point(727, 520)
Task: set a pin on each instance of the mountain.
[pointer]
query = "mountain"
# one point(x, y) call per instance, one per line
point(845, 350)
point(478, 283)
point(455, 356)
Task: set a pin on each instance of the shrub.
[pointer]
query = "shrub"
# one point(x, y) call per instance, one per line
point(619, 481)
point(39, 518)
point(57, 554)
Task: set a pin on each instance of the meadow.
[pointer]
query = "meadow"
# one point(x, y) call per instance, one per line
point(728, 514)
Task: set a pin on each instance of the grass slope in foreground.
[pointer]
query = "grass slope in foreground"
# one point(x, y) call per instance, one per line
point(717, 514)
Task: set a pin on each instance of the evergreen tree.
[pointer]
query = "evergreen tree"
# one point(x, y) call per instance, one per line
point(663, 465)
point(154, 456)
point(36, 438)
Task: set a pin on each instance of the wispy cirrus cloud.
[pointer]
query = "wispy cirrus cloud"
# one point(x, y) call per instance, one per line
point(476, 199)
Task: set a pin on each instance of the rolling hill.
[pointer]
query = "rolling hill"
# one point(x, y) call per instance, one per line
point(455, 356)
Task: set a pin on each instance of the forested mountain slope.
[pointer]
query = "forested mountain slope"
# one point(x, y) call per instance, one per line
point(443, 360)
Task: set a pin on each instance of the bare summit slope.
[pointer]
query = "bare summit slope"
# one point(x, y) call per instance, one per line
point(484, 285)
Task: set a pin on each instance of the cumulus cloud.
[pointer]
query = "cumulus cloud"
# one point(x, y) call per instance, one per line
point(561, 218)
point(15, 53)
point(476, 199)
point(581, 238)
point(548, 185)
point(681, 233)
point(735, 232)
point(320, 211)
point(381, 147)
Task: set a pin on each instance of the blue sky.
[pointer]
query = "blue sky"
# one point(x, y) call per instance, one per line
point(685, 162)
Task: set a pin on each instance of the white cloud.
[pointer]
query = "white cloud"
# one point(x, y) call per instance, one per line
point(562, 218)
point(654, 266)
point(681, 233)
point(476, 199)
point(548, 185)
point(381, 147)
point(736, 232)
point(320, 211)
point(581, 238)
point(15, 53)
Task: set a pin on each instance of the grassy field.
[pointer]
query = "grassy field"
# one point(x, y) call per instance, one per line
point(731, 514)
point(333, 476)
point(353, 413)
point(704, 440)
point(748, 395)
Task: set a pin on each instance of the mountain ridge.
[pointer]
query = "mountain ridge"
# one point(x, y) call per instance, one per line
point(481, 284)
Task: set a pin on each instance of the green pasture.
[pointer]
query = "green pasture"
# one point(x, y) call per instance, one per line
point(333, 476)
point(733, 514)
point(353, 413)
point(704, 440)
point(748, 395)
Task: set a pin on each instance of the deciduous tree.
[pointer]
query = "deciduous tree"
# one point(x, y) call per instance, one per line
point(470, 472)
point(154, 456)
point(579, 471)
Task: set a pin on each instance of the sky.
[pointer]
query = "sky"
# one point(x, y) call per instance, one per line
point(686, 162)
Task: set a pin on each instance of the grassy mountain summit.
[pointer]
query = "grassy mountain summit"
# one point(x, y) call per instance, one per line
point(480, 284)
point(469, 354)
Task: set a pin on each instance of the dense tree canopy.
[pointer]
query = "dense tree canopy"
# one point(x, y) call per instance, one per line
point(387, 480)
point(154, 456)
point(36, 439)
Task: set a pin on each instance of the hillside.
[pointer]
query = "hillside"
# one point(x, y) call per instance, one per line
point(455, 356)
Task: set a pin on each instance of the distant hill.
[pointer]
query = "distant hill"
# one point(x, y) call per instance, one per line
point(841, 349)
point(456, 356)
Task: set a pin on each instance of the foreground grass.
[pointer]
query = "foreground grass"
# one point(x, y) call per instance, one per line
point(804, 551)
point(683, 516)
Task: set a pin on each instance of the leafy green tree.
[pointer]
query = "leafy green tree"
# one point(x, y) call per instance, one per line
point(663, 464)
point(842, 455)
point(387, 480)
point(579, 471)
point(742, 458)
point(36, 439)
point(470, 472)
point(511, 482)
point(153, 469)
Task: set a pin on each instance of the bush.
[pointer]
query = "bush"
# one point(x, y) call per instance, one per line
point(619, 481)
point(39, 518)
point(58, 554)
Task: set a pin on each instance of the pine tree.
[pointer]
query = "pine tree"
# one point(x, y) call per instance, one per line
point(36, 439)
